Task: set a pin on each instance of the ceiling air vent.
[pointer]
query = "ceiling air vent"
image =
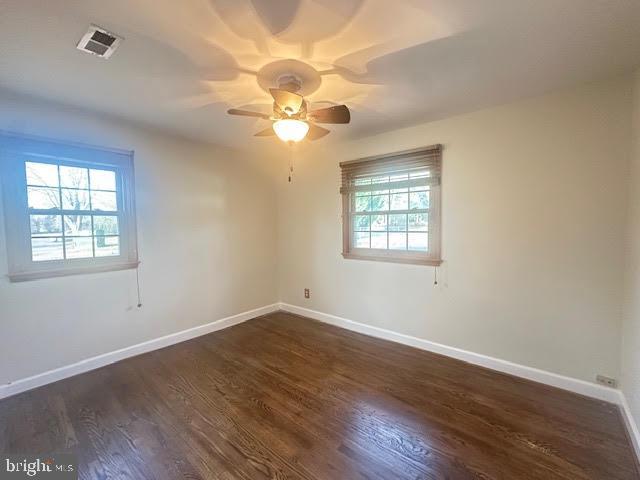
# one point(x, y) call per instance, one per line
point(99, 41)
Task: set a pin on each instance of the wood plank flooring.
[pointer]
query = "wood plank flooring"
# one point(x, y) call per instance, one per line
point(285, 397)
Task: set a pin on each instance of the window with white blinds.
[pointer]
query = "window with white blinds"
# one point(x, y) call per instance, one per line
point(68, 208)
point(391, 207)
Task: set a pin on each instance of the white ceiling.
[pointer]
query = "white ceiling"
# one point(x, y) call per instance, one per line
point(394, 63)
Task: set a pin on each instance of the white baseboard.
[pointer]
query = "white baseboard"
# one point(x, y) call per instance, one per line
point(631, 424)
point(92, 363)
point(542, 376)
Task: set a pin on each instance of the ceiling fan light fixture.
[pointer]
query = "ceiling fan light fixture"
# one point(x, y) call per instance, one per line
point(291, 130)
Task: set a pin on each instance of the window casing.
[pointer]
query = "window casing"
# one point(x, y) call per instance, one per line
point(68, 208)
point(391, 207)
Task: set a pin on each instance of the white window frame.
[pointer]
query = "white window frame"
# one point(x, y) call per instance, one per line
point(399, 162)
point(15, 151)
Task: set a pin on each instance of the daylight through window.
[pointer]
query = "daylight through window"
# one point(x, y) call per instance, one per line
point(69, 208)
point(391, 207)
point(73, 212)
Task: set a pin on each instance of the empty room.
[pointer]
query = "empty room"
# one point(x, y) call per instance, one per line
point(320, 239)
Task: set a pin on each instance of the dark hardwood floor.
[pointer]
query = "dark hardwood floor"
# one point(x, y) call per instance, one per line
point(286, 397)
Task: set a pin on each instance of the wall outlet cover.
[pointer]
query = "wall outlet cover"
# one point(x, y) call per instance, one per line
point(608, 381)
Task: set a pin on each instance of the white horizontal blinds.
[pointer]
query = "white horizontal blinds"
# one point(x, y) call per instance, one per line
point(389, 201)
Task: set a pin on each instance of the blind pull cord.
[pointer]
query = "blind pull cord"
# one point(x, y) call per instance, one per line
point(435, 275)
point(138, 285)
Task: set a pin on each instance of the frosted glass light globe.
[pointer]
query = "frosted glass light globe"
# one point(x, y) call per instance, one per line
point(290, 130)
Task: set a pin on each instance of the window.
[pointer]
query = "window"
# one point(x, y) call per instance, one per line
point(391, 207)
point(68, 208)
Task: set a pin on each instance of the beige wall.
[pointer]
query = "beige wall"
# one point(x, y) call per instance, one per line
point(206, 238)
point(534, 207)
point(631, 328)
point(533, 231)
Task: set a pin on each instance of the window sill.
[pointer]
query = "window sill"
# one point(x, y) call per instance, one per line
point(390, 259)
point(37, 275)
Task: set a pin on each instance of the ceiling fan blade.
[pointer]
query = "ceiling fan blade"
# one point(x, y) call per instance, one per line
point(287, 101)
point(315, 132)
point(267, 132)
point(336, 114)
point(247, 113)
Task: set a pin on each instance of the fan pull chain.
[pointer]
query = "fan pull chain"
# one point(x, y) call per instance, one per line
point(290, 161)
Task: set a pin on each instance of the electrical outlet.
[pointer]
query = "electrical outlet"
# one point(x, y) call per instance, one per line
point(609, 382)
point(307, 293)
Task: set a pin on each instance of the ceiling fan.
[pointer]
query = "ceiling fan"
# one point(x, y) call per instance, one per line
point(292, 122)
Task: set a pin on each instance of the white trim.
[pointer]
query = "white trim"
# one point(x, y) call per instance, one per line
point(630, 423)
point(38, 138)
point(92, 363)
point(542, 376)
point(26, 276)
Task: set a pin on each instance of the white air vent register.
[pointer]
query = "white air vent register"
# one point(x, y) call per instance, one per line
point(99, 41)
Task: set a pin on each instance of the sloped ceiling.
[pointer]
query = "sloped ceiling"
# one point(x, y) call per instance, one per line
point(394, 63)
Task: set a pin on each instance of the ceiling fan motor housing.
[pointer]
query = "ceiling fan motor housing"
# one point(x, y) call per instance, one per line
point(290, 83)
point(286, 112)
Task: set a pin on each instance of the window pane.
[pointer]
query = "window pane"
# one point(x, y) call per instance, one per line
point(43, 198)
point(418, 241)
point(74, 177)
point(399, 201)
point(107, 246)
point(104, 201)
point(75, 199)
point(42, 174)
point(363, 204)
point(379, 223)
point(46, 225)
point(43, 249)
point(397, 241)
point(105, 225)
point(361, 239)
point(378, 240)
point(419, 200)
point(399, 178)
point(418, 221)
point(360, 222)
point(103, 179)
point(379, 203)
point(398, 223)
point(79, 247)
point(77, 225)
